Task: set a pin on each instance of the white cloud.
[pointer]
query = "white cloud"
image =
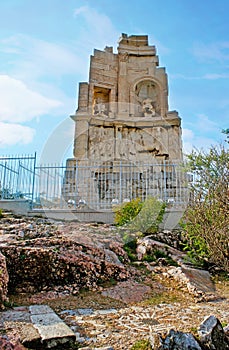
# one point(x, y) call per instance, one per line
point(34, 58)
point(208, 76)
point(217, 51)
point(12, 134)
point(19, 103)
point(202, 122)
point(215, 76)
point(187, 134)
point(191, 141)
point(98, 28)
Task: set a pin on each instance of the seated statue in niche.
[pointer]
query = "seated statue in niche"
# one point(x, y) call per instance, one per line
point(148, 108)
point(100, 108)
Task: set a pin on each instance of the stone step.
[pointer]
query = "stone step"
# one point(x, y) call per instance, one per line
point(38, 327)
point(53, 331)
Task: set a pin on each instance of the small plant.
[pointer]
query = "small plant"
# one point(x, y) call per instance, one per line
point(10, 304)
point(142, 345)
point(161, 298)
point(130, 248)
point(158, 254)
point(22, 256)
point(1, 214)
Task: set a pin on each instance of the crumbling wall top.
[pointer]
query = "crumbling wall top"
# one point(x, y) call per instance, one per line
point(136, 45)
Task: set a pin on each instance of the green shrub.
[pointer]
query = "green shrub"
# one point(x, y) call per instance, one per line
point(206, 219)
point(124, 213)
point(140, 216)
point(1, 214)
point(150, 216)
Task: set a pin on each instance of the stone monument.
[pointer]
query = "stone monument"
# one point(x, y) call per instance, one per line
point(123, 112)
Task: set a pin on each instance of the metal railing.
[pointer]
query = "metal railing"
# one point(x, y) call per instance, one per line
point(17, 175)
point(100, 186)
point(91, 184)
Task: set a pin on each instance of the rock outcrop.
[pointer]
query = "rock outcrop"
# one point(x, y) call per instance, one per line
point(48, 262)
point(4, 278)
point(41, 254)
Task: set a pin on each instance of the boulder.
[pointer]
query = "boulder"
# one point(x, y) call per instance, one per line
point(176, 340)
point(198, 282)
point(212, 334)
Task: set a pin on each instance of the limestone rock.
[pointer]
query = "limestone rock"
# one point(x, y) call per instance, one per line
point(147, 245)
point(64, 262)
point(128, 292)
point(4, 278)
point(198, 282)
point(212, 334)
point(179, 340)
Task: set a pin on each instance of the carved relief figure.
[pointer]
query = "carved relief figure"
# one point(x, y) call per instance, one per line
point(148, 108)
point(147, 100)
point(100, 108)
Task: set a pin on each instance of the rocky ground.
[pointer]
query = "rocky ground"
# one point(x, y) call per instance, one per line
point(83, 273)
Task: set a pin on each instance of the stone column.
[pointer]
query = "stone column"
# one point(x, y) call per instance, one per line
point(81, 138)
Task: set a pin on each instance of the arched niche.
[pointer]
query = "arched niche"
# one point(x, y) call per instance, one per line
point(142, 90)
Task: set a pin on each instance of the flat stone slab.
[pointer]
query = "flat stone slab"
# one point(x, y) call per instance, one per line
point(40, 309)
point(52, 329)
point(37, 324)
point(18, 314)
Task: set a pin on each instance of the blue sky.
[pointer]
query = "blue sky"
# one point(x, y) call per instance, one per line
point(44, 53)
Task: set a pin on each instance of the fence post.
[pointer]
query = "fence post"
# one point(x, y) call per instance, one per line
point(33, 183)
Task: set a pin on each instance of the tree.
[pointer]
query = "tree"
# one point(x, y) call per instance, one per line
point(226, 132)
point(206, 220)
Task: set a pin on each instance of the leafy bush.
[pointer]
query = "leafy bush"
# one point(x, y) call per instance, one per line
point(150, 216)
point(1, 214)
point(206, 219)
point(140, 216)
point(127, 211)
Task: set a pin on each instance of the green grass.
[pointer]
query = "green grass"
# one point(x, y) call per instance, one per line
point(142, 345)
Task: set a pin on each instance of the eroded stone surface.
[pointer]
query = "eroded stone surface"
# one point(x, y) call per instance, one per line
point(198, 282)
point(179, 340)
point(123, 110)
point(128, 292)
point(71, 255)
point(4, 279)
